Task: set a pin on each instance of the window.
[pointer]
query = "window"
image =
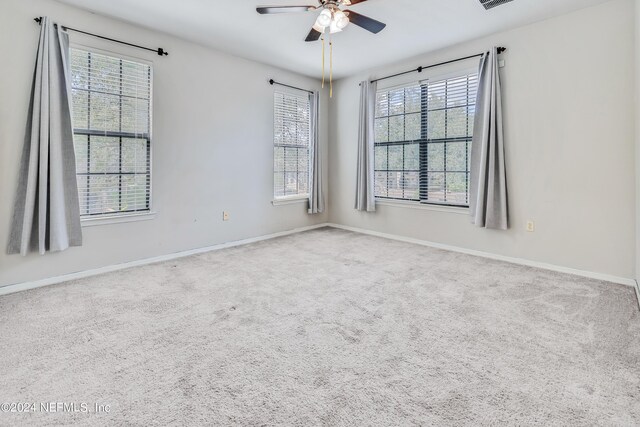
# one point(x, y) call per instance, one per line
point(112, 137)
point(423, 135)
point(291, 144)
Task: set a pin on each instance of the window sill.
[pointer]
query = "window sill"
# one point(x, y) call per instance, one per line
point(421, 206)
point(116, 219)
point(289, 200)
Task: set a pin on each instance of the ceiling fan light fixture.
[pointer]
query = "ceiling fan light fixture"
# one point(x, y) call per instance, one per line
point(341, 19)
point(334, 27)
point(324, 19)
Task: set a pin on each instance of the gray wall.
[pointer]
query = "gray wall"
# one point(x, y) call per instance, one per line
point(569, 102)
point(212, 145)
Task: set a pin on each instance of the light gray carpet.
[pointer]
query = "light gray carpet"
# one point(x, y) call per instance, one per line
point(326, 328)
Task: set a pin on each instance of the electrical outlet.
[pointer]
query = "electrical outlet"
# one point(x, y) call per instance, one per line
point(225, 216)
point(531, 226)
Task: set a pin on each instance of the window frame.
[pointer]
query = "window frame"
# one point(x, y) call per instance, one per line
point(401, 143)
point(132, 215)
point(423, 142)
point(299, 197)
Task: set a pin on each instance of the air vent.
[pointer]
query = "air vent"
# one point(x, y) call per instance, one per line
point(490, 4)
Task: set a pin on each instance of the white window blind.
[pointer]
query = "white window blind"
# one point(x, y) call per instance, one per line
point(423, 134)
point(291, 144)
point(112, 127)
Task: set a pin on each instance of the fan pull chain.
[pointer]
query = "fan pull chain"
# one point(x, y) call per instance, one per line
point(330, 67)
point(323, 61)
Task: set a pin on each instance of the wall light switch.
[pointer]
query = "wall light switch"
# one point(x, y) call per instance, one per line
point(531, 226)
point(501, 63)
point(225, 216)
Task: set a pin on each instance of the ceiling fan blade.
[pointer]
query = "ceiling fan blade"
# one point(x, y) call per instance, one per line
point(365, 22)
point(313, 36)
point(352, 2)
point(263, 10)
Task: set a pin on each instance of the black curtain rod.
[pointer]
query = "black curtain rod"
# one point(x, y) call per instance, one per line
point(420, 69)
point(273, 82)
point(160, 51)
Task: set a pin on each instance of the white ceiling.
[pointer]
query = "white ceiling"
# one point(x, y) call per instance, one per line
point(413, 27)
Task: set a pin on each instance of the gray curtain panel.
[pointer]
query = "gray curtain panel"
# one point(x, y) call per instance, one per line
point(365, 196)
point(316, 192)
point(488, 186)
point(46, 213)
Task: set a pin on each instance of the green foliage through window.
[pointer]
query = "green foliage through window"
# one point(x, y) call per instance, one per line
point(291, 144)
point(111, 104)
point(423, 135)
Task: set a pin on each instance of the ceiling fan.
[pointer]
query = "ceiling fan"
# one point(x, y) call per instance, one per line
point(333, 17)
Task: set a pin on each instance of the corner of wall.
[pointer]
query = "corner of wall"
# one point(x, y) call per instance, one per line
point(637, 138)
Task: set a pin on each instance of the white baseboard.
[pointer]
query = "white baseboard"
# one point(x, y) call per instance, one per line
point(513, 260)
point(9, 289)
point(637, 287)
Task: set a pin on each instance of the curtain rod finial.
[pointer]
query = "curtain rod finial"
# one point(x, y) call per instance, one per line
point(38, 19)
point(271, 82)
